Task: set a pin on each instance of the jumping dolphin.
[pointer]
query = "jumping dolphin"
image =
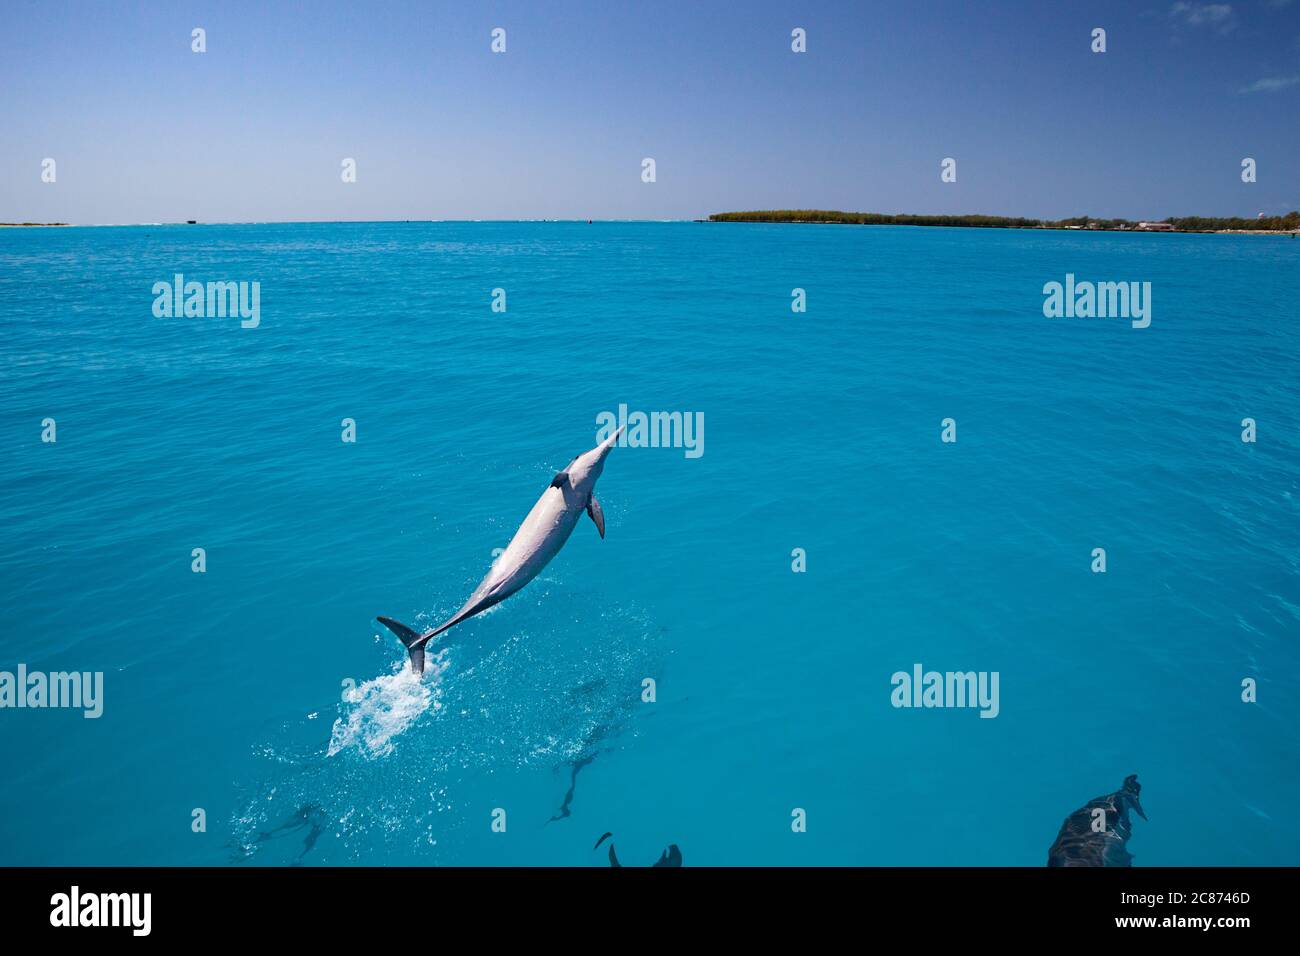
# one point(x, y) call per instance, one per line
point(1080, 843)
point(538, 539)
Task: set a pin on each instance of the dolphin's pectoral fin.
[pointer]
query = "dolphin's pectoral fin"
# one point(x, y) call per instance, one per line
point(598, 516)
point(1130, 792)
point(560, 480)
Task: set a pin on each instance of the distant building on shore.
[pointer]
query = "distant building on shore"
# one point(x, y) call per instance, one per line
point(1156, 226)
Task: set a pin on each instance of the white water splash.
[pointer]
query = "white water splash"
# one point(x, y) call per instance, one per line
point(379, 710)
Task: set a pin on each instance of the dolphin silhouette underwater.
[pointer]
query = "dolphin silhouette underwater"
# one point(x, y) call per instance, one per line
point(670, 857)
point(1079, 844)
point(537, 541)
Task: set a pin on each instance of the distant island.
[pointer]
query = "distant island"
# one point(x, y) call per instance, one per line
point(33, 224)
point(1263, 224)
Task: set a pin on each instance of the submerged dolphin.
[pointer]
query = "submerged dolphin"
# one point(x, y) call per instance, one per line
point(538, 539)
point(670, 857)
point(1080, 844)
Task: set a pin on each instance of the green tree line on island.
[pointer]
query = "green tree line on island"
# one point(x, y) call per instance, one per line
point(1289, 222)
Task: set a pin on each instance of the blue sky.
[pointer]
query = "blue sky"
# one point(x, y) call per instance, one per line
point(142, 129)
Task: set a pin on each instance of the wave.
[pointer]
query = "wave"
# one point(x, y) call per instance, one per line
point(381, 709)
point(407, 752)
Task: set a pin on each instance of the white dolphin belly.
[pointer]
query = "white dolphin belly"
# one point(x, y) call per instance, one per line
point(539, 539)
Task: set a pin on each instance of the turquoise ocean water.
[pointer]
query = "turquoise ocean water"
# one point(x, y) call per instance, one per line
point(264, 693)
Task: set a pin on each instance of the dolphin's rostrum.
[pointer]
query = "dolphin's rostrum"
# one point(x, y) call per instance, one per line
point(538, 539)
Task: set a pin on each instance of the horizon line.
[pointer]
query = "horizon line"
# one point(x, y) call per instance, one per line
point(592, 220)
point(303, 222)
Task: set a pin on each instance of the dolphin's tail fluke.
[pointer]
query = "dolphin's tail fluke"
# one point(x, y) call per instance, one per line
point(414, 642)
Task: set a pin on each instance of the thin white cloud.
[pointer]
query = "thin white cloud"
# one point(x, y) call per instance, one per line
point(1218, 16)
point(1271, 84)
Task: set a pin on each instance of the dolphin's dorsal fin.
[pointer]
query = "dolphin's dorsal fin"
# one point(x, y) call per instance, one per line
point(560, 480)
point(598, 516)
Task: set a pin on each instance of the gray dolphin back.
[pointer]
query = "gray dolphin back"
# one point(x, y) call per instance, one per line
point(1084, 841)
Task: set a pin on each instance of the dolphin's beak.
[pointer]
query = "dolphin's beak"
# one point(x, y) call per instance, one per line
point(1138, 807)
point(610, 442)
